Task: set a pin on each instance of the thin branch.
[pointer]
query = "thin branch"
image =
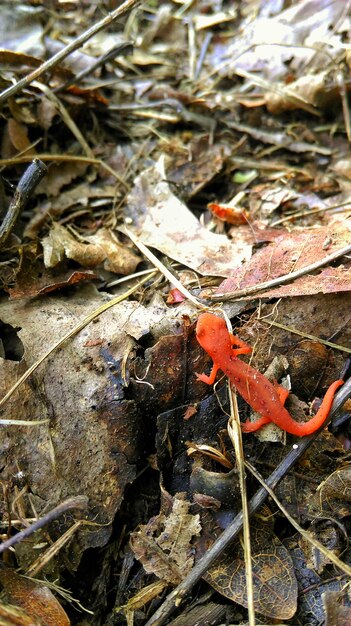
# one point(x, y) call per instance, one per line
point(65, 158)
point(329, 554)
point(25, 188)
point(78, 502)
point(124, 8)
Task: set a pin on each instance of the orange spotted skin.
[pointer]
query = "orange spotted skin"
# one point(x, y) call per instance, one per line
point(264, 397)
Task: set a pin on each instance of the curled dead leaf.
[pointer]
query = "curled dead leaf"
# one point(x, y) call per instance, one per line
point(103, 247)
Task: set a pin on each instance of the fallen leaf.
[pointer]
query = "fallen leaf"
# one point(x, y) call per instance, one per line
point(337, 606)
point(274, 582)
point(335, 493)
point(33, 279)
point(34, 597)
point(162, 221)
point(291, 252)
point(164, 545)
point(81, 196)
point(103, 247)
point(18, 134)
point(60, 175)
point(320, 90)
point(21, 29)
point(91, 444)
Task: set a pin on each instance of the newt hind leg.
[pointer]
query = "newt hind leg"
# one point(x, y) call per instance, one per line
point(251, 427)
point(282, 392)
point(209, 380)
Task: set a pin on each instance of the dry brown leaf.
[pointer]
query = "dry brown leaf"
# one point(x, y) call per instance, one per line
point(164, 544)
point(275, 586)
point(82, 196)
point(103, 247)
point(18, 134)
point(46, 112)
point(319, 90)
point(290, 252)
point(59, 175)
point(34, 598)
point(337, 606)
point(91, 444)
point(162, 221)
point(198, 167)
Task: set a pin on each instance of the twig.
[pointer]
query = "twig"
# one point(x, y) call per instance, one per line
point(71, 47)
point(63, 158)
point(25, 188)
point(177, 595)
point(78, 502)
point(66, 117)
point(300, 333)
point(281, 280)
point(161, 267)
point(235, 434)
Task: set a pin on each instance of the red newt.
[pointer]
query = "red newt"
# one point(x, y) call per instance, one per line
point(264, 397)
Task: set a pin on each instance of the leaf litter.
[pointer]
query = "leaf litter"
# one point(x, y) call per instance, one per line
point(176, 108)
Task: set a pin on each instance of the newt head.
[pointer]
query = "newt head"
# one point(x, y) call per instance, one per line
point(212, 333)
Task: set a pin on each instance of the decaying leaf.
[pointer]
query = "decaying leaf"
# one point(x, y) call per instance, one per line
point(266, 46)
point(60, 175)
point(103, 247)
point(18, 134)
point(290, 252)
point(332, 536)
point(334, 494)
point(34, 598)
point(82, 196)
point(312, 590)
point(90, 445)
point(319, 90)
point(164, 544)
point(337, 605)
point(275, 587)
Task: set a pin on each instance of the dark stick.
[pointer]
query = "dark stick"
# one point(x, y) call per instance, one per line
point(78, 502)
point(25, 188)
point(176, 596)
